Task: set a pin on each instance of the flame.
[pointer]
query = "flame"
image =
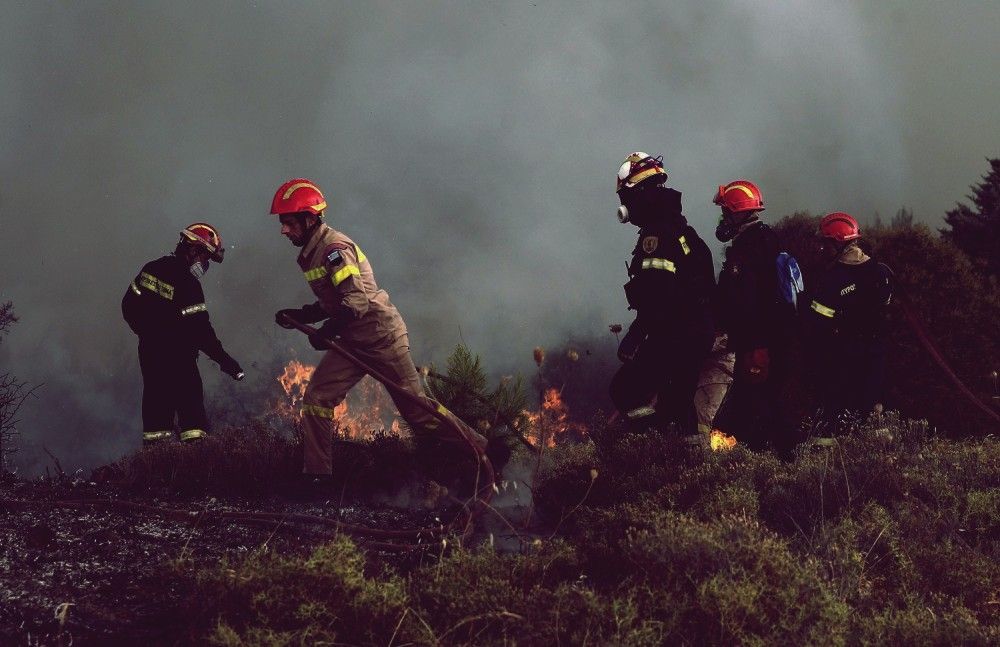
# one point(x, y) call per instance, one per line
point(719, 441)
point(362, 418)
point(294, 380)
point(551, 422)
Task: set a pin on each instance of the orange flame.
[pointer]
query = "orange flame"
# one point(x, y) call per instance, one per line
point(719, 441)
point(368, 404)
point(551, 422)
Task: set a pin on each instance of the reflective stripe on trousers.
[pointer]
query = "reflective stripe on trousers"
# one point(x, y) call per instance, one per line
point(640, 412)
point(192, 434)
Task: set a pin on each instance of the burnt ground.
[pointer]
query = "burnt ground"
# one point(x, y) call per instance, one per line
point(95, 574)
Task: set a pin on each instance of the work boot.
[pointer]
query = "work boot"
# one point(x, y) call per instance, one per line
point(192, 435)
point(150, 438)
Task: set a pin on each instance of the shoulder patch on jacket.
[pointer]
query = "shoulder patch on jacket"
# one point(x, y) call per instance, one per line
point(332, 253)
point(650, 243)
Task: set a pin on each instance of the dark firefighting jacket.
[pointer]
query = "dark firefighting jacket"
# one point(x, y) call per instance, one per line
point(749, 307)
point(165, 306)
point(671, 278)
point(848, 304)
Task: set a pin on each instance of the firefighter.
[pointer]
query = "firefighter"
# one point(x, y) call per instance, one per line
point(354, 310)
point(165, 306)
point(758, 322)
point(846, 321)
point(670, 286)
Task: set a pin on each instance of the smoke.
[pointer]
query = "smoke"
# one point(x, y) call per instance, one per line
point(469, 148)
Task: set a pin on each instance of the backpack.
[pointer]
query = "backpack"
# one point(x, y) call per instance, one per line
point(790, 283)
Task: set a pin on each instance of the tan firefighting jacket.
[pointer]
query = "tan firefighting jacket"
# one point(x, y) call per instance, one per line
point(342, 279)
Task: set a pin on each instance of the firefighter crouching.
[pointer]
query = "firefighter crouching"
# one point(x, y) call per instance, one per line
point(846, 320)
point(354, 310)
point(671, 281)
point(165, 307)
point(758, 322)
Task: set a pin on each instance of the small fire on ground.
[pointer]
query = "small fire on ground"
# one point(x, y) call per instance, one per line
point(360, 416)
point(551, 424)
point(719, 441)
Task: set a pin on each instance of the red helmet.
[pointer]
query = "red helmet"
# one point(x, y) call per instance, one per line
point(297, 195)
point(739, 195)
point(205, 236)
point(839, 226)
point(639, 167)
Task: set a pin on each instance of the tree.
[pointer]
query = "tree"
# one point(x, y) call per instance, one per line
point(13, 392)
point(976, 229)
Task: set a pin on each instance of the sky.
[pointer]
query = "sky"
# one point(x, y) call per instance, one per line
point(469, 148)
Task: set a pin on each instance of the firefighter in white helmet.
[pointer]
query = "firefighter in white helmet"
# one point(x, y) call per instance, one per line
point(671, 285)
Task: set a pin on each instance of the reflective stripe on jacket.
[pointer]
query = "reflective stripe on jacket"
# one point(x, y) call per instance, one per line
point(165, 306)
point(340, 275)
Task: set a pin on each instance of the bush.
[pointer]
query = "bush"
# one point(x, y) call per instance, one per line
point(13, 393)
point(244, 461)
point(325, 598)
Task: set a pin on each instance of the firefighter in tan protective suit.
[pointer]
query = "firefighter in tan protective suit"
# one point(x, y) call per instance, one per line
point(356, 311)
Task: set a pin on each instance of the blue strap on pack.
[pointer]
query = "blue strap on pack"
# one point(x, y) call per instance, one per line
point(790, 283)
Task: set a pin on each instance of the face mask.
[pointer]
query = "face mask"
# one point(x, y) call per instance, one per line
point(199, 269)
point(623, 216)
point(726, 230)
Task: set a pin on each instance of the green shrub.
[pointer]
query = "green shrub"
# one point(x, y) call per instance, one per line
point(269, 599)
point(729, 580)
point(916, 622)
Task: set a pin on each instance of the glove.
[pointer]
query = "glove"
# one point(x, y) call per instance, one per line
point(232, 368)
point(325, 333)
point(756, 364)
point(295, 314)
point(630, 344)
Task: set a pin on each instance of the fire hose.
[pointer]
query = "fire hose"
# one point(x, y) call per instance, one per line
point(925, 340)
point(483, 495)
point(394, 540)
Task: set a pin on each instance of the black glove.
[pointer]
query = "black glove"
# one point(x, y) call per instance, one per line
point(231, 368)
point(630, 344)
point(295, 314)
point(307, 314)
point(325, 333)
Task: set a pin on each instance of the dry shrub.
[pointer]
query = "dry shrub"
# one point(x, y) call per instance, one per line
point(242, 461)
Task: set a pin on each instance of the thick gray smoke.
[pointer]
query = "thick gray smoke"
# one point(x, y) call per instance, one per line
point(469, 148)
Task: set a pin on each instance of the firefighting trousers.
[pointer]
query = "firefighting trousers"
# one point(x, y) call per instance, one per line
point(334, 377)
point(664, 371)
point(850, 377)
point(171, 386)
point(753, 412)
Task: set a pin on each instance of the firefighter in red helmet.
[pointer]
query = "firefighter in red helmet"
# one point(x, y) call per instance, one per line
point(165, 306)
point(671, 284)
point(846, 321)
point(756, 319)
point(356, 312)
